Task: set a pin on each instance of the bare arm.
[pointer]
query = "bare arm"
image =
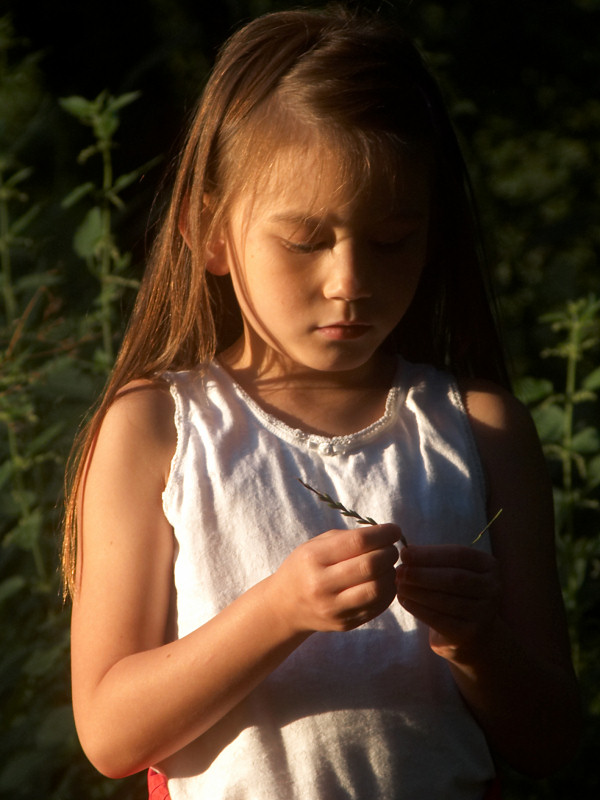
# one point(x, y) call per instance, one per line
point(499, 621)
point(125, 669)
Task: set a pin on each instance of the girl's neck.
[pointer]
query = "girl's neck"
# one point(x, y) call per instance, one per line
point(328, 404)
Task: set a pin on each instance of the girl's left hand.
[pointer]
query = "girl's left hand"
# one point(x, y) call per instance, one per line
point(455, 591)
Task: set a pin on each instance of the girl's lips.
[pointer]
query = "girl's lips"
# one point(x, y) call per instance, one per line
point(344, 330)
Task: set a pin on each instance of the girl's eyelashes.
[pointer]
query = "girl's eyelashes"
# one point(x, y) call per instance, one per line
point(391, 244)
point(383, 245)
point(303, 248)
point(305, 238)
point(397, 236)
point(383, 240)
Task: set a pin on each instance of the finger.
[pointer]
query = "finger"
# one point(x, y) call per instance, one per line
point(448, 581)
point(452, 556)
point(444, 623)
point(362, 569)
point(364, 602)
point(456, 627)
point(339, 545)
point(444, 605)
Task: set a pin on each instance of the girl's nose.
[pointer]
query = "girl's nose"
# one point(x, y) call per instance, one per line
point(347, 273)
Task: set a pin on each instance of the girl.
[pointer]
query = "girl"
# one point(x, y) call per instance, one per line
point(230, 631)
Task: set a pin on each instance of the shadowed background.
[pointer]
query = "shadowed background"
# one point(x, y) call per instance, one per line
point(523, 83)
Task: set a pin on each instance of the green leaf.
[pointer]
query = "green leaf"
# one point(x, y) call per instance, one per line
point(574, 557)
point(44, 660)
point(18, 177)
point(11, 586)
point(41, 442)
point(593, 471)
point(87, 153)
point(36, 280)
point(27, 532)
point(591, 382)
point(532, 390)
point(79, 107)
point(23, 222)
point(114, 199)
point(19, 773)
point(117, 103)
point(126, 180)
point(101, 361)
point(65, 378)
point(56, 728)
point(586, 441)
point(105, 125)
point(6, 472)
point(77, 194)
point(583, 397)
point(89, 234)
point(550, 422)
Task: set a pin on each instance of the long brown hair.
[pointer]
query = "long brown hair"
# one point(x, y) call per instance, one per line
point(359, 85)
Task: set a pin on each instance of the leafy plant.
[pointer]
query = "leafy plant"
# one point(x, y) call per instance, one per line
point(568, 422)
point(94, 240)
point(46, 384)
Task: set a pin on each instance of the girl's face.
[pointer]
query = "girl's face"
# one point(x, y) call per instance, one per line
point(323, 278)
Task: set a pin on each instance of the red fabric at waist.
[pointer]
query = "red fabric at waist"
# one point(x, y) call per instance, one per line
point(157, 786)
point(158, 789)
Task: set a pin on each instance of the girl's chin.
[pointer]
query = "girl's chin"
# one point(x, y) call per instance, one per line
point(351, 365)
point(340, 351)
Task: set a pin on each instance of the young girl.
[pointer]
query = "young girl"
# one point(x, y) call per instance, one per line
point(231, 632)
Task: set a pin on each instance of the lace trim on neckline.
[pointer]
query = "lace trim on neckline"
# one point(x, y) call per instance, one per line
point(326, 445)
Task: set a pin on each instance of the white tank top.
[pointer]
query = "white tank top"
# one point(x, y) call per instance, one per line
point(371, 714)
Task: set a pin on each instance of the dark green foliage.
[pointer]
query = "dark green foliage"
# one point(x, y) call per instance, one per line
point(52, 363)
point(567, 416)
point(522, 80)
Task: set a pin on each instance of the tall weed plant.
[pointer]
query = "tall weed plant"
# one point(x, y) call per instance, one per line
point(94, 240)
point(565, 406)
point(52, 363)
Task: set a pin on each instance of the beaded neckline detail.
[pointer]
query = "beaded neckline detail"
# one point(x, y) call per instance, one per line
point(325, 445)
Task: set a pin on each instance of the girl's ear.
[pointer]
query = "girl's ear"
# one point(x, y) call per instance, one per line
point(216, 259)
point(216, 251)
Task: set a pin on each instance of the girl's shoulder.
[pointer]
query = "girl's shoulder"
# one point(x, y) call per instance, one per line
point(522, 537)
point(491, 406)
point(144, 394)
point(492, 410)
point(141, 417)
point(514, 464)
point(504, 432)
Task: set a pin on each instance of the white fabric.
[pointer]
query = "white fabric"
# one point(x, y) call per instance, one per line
point(370, 714)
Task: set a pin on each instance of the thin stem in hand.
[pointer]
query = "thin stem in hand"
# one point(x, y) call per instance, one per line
point(493, 519)
point(345, 512)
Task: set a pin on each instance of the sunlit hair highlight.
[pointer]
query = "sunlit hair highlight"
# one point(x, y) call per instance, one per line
point(355, 87)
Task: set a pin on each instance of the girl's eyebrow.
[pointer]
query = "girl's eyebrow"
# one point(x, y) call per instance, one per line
point(298, 218)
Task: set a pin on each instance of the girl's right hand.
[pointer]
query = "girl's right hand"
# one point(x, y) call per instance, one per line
point(338, 580)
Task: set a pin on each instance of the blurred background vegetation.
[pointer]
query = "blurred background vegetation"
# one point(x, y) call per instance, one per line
point(93, 98)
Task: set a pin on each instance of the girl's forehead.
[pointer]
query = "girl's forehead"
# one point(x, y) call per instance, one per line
point(312, 182)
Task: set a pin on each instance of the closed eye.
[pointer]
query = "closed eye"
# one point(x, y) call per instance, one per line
point(393, 242)
point(303, 248)
point(387, 247)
